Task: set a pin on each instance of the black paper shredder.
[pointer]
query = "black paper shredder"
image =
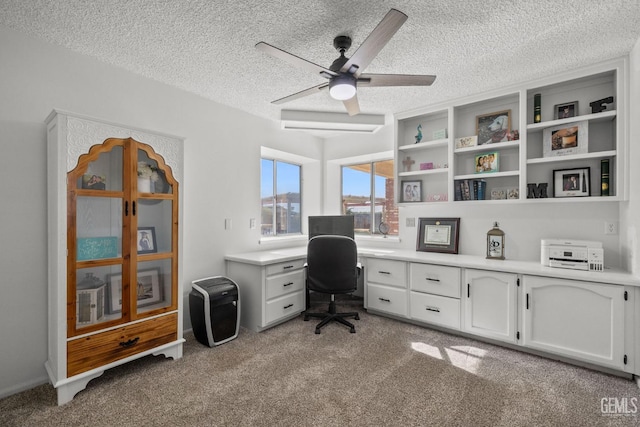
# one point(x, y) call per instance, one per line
point(214, 303)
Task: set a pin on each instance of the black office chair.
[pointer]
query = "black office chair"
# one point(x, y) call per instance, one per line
point(332, 268)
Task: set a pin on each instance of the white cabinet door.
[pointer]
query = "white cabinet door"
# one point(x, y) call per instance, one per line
point(577, 319)
point(490, 301)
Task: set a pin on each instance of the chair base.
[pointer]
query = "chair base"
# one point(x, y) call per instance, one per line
point(331, 315)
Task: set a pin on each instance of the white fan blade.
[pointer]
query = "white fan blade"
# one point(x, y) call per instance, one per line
point(302, 93)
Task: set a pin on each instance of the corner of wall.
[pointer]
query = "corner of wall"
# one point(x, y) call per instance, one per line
point(630, 212)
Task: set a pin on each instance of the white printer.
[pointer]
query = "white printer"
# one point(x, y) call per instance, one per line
point(574, 254)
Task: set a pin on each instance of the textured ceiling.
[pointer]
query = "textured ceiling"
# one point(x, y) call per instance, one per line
point(207, 46)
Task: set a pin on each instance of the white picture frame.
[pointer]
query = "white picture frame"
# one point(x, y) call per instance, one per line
point(567, 139)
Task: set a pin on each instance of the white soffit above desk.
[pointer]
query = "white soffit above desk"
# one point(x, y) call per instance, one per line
point(324, 121)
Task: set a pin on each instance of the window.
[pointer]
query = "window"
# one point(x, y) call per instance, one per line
point(280, 193)
point(368, 194)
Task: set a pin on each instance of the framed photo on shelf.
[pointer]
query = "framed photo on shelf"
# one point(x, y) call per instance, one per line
point(565, 111)
point(561, 140)
point(487, 162)
point(411, 191)
point(96, 248)
point(146, 241)
point(147, 285)
point(499, 193)
point(493, 127)
point(466, 141)
point(572, 182)
point(438, 235)
point(94, 182)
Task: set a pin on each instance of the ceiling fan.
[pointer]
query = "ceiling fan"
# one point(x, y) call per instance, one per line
point(346, 74)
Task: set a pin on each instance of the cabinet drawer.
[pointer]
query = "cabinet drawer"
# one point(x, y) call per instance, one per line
point(435, 309)
point(385, 298)
point(387, 272)
point(103, 348)
point(285, 267)
point(285, 306)
point(285, 283)
point(435, 279)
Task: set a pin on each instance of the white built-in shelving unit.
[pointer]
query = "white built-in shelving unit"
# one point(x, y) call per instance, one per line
point(521, 161)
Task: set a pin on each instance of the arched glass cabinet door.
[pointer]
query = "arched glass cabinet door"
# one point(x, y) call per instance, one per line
point(156, 227)
point(122, 236)
point(95, 241)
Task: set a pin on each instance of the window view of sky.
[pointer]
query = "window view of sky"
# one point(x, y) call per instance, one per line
point(357, 183)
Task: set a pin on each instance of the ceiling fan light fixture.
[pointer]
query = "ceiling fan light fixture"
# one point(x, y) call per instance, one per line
point(342, 87)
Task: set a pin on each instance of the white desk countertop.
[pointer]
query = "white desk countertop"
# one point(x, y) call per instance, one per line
point(617, 277)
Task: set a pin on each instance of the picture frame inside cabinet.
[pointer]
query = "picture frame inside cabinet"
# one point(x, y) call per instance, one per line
point(438, 235)
point(572, 182)
point(493, 127)
point(94, 182)
point(562, 140)
point(487, 162)
point(148, 289)
point(411, 191)
point(146, 240)
point(565, 111)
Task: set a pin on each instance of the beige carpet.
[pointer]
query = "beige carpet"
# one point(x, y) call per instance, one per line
point(389, 373)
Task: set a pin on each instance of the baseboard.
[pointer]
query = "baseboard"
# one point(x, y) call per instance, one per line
point(27, 385)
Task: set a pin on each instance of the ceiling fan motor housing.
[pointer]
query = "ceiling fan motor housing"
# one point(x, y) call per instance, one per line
point(342, 43)
point(342, 87)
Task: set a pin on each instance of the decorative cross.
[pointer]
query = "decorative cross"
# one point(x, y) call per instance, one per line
point(407, 164)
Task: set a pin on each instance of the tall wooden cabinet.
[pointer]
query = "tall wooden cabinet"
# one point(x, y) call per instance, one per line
point(114, 248)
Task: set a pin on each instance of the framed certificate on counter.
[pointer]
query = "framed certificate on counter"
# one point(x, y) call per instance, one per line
point(438, 235)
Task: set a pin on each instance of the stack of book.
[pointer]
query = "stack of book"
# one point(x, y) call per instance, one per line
point(470, 189)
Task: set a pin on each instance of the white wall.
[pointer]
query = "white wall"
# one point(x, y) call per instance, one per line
point(630, 212)
point(222, 176)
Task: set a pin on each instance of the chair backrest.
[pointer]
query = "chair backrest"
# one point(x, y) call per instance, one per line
point(332, 264)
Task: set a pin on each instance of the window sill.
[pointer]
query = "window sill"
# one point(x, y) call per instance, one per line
point(304, 238)
point(378, 239)
point(283, 239)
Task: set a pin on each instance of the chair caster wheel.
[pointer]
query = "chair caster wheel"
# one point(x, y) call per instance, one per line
point(352, 330)
point(357, 317)
point(317, 331)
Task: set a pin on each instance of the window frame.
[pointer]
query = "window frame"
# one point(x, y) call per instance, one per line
point(371, 161)
point(275, 160)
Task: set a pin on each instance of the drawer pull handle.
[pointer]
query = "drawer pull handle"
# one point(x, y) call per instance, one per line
point(288, 306)
point(384, 299)
point(432, 280)
point(130, 343)
point(436, 309)
point(286, 267)
point(288, 284)
point(384, 272)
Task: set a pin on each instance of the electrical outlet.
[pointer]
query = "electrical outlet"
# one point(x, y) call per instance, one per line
point(227, 223)
point(610, 227)
point(252, 223)
point(411, 222)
